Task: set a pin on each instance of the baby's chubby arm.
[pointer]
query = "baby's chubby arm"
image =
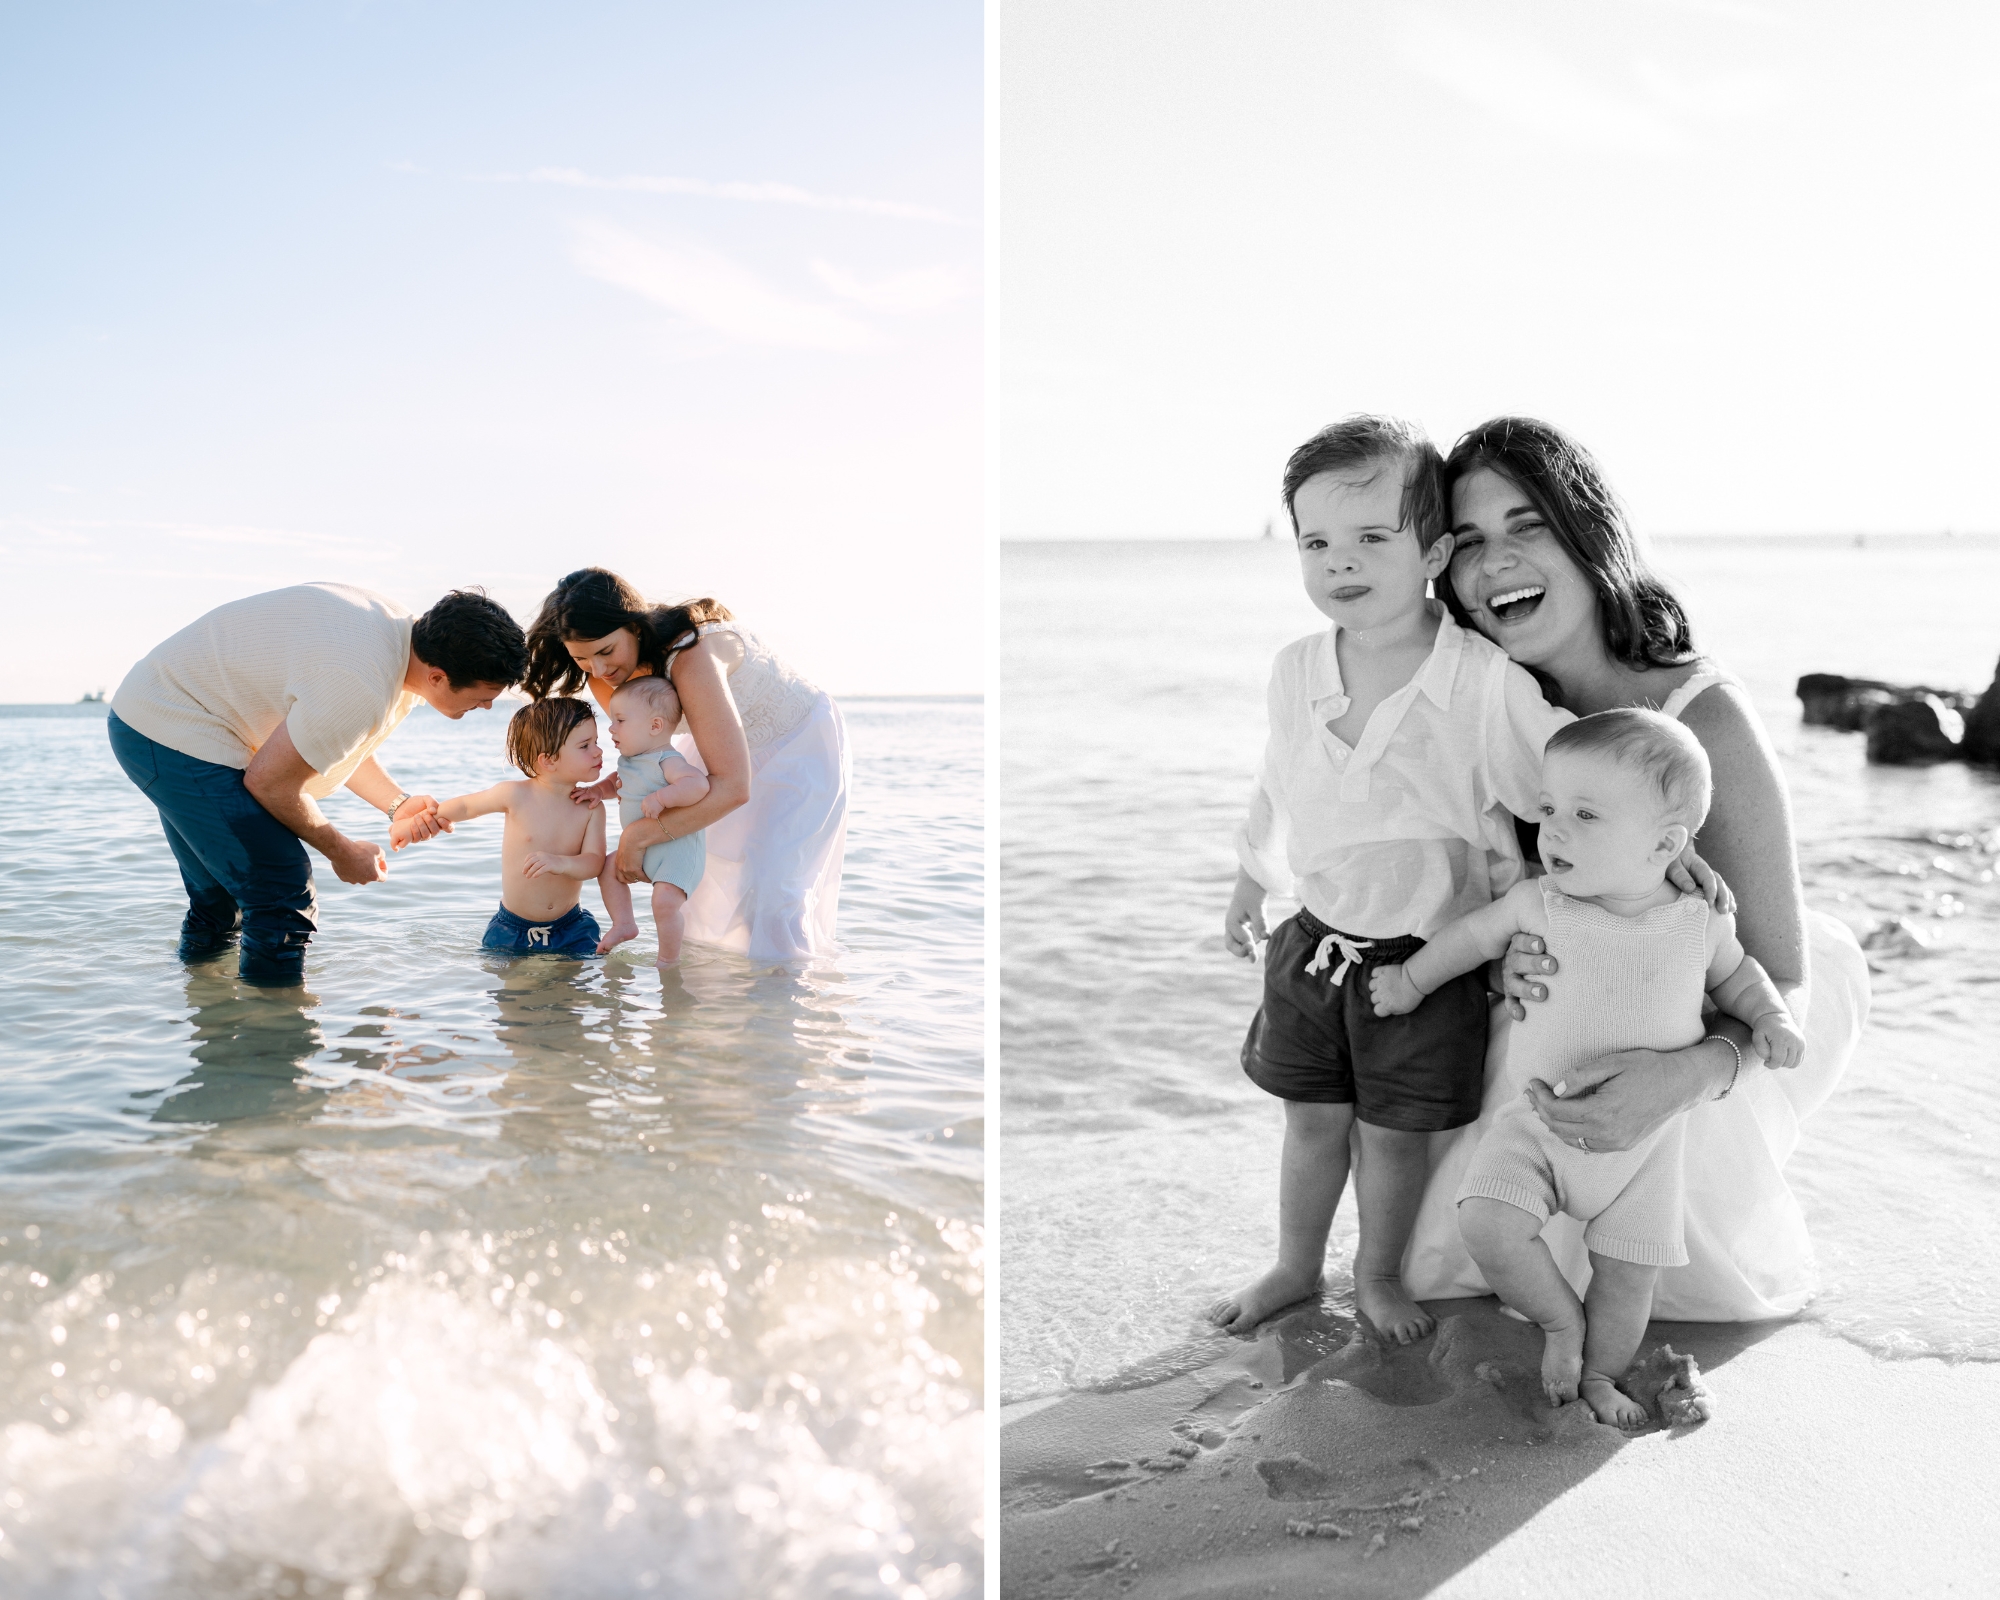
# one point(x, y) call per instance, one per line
point(1740, 986)
point(686, 783)
point(587, 863)
point(1460, 947)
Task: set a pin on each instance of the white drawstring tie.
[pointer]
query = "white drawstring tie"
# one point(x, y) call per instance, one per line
point(538, 936)
point(1350, 953)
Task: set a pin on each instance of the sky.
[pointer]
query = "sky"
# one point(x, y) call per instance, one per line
point(421, 295)
point(1743, 251)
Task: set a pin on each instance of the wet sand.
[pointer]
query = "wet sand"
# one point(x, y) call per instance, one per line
point(1311, 1461)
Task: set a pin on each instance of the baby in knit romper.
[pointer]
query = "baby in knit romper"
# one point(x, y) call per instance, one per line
point(1621, 793)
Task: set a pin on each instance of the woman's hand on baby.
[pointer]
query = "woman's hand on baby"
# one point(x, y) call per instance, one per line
point(1243, 923)
point(1776, 1038)
point(1526, 960)
point(597, 793)
point(1690, 874)
point(1390, 988)
point(1610, 1102)
point(415, 821)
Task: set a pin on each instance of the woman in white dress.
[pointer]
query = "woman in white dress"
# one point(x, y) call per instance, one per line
point(773, 746)
point(1544, 563)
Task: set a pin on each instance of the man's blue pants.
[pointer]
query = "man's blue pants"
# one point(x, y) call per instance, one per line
point(243, 868)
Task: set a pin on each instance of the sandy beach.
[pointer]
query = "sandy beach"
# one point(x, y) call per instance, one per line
point(1311, 1461)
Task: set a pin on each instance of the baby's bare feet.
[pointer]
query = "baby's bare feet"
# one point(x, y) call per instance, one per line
point(1562, 1361)
point(1251, 1304)
point(620, 932)
point(1608, 1403)
point(1397, 1317)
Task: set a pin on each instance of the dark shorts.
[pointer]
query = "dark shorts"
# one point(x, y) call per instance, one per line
point(574, 933)
point(1320, 1041)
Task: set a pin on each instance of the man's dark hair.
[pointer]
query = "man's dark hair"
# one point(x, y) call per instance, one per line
point(471, 639)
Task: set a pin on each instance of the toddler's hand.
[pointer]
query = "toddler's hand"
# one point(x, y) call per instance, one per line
point(539, 862)
point(1243, 923)
point(1776, 1038)
point(1390, 988)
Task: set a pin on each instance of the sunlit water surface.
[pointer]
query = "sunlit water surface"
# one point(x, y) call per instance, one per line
point(1139, 1166)
point(478, 1279)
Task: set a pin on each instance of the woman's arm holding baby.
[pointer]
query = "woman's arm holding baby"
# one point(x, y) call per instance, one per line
point(586, 863)
point(703, 684)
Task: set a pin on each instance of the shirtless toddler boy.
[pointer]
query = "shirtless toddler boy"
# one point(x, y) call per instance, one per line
point(1621, 793)
point(653, 777)
point(552, 845)
point(1399, 745)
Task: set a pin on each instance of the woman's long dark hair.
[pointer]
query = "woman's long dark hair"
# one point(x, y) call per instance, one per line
point(1644, 625)
point(590, 603)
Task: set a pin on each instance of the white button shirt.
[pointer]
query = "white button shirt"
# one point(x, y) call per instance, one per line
point(1412, 827)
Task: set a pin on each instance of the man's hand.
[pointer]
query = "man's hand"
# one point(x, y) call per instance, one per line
point(416, 820)
point(1243, 923)
point(357, 860)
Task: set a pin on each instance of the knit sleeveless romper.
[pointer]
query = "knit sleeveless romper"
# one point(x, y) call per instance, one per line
point(1628, 983)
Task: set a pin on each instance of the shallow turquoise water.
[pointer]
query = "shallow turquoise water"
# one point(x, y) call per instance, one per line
point(1138, 1168)
point(477, 1279)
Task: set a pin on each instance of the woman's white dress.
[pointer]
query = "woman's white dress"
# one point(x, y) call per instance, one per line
point(1749, 1255)
point(772, 888)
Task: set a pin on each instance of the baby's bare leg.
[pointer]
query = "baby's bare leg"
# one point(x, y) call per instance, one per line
point(617, 906)
point(1313, 1173)
point(1388, 1187)
point(669, 904)
point(1617, 1307)
point(1506, 1241)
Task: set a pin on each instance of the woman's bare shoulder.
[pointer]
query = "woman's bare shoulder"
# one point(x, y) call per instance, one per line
point(1726, 723)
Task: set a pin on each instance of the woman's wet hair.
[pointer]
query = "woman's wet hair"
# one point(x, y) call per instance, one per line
point(471, 640)
point(1643, 622)
point(1361, 447)
point(542, 729)
point(592, 602)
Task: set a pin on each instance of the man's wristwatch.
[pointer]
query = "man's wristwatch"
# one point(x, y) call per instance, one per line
point(395, 805)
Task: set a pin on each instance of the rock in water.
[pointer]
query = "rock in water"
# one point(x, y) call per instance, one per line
point(1670, 1387)
point(1908, 733)
point(1828, 700)
point(1982, 727)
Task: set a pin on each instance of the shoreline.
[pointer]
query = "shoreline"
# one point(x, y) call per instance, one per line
point(1438, 1468)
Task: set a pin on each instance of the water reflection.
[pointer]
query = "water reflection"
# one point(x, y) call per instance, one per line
point(251, 1050)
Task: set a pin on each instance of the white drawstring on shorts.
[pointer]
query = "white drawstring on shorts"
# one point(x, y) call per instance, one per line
point(538, 936)
point(1350, 952)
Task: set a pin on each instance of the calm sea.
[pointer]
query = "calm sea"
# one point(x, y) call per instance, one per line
point(478, 1279)
point(1138, 1167)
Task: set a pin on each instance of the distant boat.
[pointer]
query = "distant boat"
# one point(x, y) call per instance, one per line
point(96, 699)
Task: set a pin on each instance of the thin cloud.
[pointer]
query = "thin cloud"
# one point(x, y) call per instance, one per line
point(781, 194)
point(919, 290)
point(713, 291)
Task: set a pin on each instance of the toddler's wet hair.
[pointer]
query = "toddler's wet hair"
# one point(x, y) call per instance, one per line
point(1362, 446)
point(1654, 744)
point(657, 692)
point(542, 729)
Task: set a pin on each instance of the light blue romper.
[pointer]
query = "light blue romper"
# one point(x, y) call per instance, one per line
point(680, 862)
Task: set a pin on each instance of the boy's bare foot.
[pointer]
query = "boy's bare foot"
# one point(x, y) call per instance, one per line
point(1562, 1360)
point(1397, 1317)
point(1609, 1404)
point(619, 933)
point(1280, 1287)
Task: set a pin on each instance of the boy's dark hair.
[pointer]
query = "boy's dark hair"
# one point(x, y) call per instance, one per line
point(1660, 747)
point(471, 639)
point(542, 729)
point(1359, 447)
point(1643, 622)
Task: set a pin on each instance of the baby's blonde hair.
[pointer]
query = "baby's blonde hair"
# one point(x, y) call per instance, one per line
point(657, 692)
point(1656, 745)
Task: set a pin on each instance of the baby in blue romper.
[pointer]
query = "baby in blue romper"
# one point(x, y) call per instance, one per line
point(653, 777)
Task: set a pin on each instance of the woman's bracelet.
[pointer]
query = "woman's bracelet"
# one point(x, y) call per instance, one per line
point(1736, 1051)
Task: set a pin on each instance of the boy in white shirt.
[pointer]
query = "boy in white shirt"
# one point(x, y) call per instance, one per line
point(1399, 746)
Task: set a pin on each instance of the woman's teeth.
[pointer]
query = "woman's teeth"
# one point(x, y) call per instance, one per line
point(1516, 602)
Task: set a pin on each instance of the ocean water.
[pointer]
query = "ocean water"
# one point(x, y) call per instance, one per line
point(1138, 1168)
point(475, 1279)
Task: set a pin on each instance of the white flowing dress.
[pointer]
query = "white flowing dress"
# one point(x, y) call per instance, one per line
point(1749, 1256)
point(772, 888)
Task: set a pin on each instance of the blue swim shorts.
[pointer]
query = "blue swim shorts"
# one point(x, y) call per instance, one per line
point(574, 933)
